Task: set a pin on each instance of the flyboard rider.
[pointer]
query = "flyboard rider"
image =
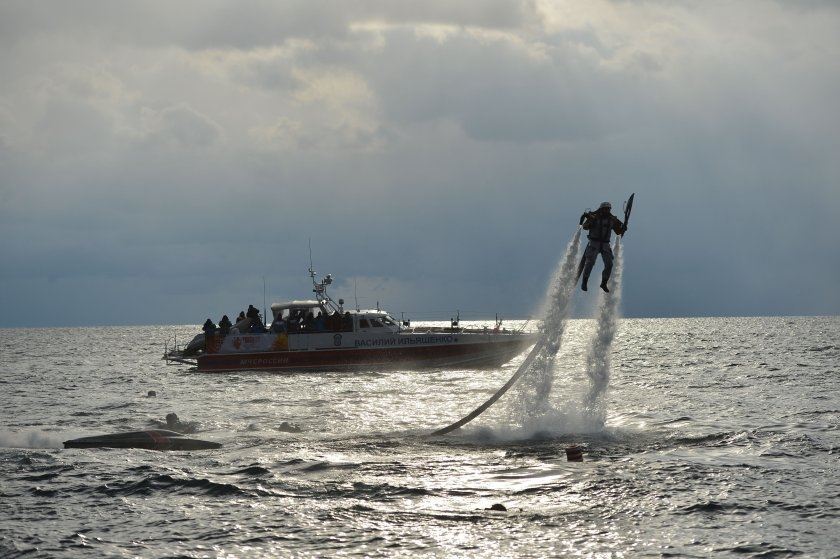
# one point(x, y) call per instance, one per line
point(600, 224)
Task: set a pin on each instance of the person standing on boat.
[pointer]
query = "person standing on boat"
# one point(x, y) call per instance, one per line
point(209, 335)
point(225, 325)
point(600, 224)
point(279, 325)
point(254, 314)
point(320, 323)
point(242, 324)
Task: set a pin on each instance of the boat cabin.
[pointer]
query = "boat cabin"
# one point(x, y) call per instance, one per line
point(291, 308)
point(374, 321)
point(312, 316)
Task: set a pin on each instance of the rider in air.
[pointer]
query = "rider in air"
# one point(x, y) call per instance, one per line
point(600, 224)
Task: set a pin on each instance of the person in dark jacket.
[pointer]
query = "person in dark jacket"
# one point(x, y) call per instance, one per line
point(225, 325)
point(209, 336)
point(600, 224)
point(254, 314)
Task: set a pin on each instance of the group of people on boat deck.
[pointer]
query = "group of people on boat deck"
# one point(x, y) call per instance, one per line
point(299, 320)
point(246, 322)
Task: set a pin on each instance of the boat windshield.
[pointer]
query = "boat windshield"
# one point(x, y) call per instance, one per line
point(382, 321)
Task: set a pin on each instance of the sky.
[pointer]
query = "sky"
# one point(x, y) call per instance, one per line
point(158, 160)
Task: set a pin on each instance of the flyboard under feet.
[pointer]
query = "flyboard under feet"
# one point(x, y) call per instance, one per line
point(535, 351)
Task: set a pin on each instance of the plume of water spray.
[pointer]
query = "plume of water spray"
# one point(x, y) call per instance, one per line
point(598, 358)
point(557, 314)
point(556, 308)
point(533, 413)
point(536, 388)
point(541, 357)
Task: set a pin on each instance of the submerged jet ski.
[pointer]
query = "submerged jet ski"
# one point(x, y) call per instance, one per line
point(153, 439)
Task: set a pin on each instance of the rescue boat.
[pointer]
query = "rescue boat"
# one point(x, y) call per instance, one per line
point(321, 335)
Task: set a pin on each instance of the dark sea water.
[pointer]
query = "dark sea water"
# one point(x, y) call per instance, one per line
point(721, 439)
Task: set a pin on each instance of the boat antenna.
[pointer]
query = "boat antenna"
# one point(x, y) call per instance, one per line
point(311, 271)
point(356, 294)
point(319, 288)
point(265, 317)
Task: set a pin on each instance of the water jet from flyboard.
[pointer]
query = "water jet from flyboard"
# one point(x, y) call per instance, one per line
point(555, 315)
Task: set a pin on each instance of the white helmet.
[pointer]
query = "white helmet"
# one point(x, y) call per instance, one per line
point(605, 205)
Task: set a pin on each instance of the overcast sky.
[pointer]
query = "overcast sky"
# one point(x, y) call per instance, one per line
point(158, 159)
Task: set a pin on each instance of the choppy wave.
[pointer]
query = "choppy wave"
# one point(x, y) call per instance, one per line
point(169, 485)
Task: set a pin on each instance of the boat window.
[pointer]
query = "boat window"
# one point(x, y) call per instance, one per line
point(363, 323)
point(375, 323)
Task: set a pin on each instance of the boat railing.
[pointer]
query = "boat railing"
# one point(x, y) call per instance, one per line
point(523, 326)
point(462, 330)
point(173, 354)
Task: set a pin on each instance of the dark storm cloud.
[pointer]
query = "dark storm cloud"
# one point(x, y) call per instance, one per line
point(156, 160)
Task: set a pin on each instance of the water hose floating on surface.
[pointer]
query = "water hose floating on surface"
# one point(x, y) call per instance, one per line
point(523, 368)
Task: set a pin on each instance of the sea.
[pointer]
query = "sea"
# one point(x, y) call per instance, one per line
point(716, 437)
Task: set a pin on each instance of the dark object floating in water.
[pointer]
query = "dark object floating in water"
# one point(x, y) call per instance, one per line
point(497, 506)
point(574, 454)
point(151, 394)
point(287, 427)
point(153, 439)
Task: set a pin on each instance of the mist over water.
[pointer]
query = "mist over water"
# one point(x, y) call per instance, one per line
point(31, 439)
